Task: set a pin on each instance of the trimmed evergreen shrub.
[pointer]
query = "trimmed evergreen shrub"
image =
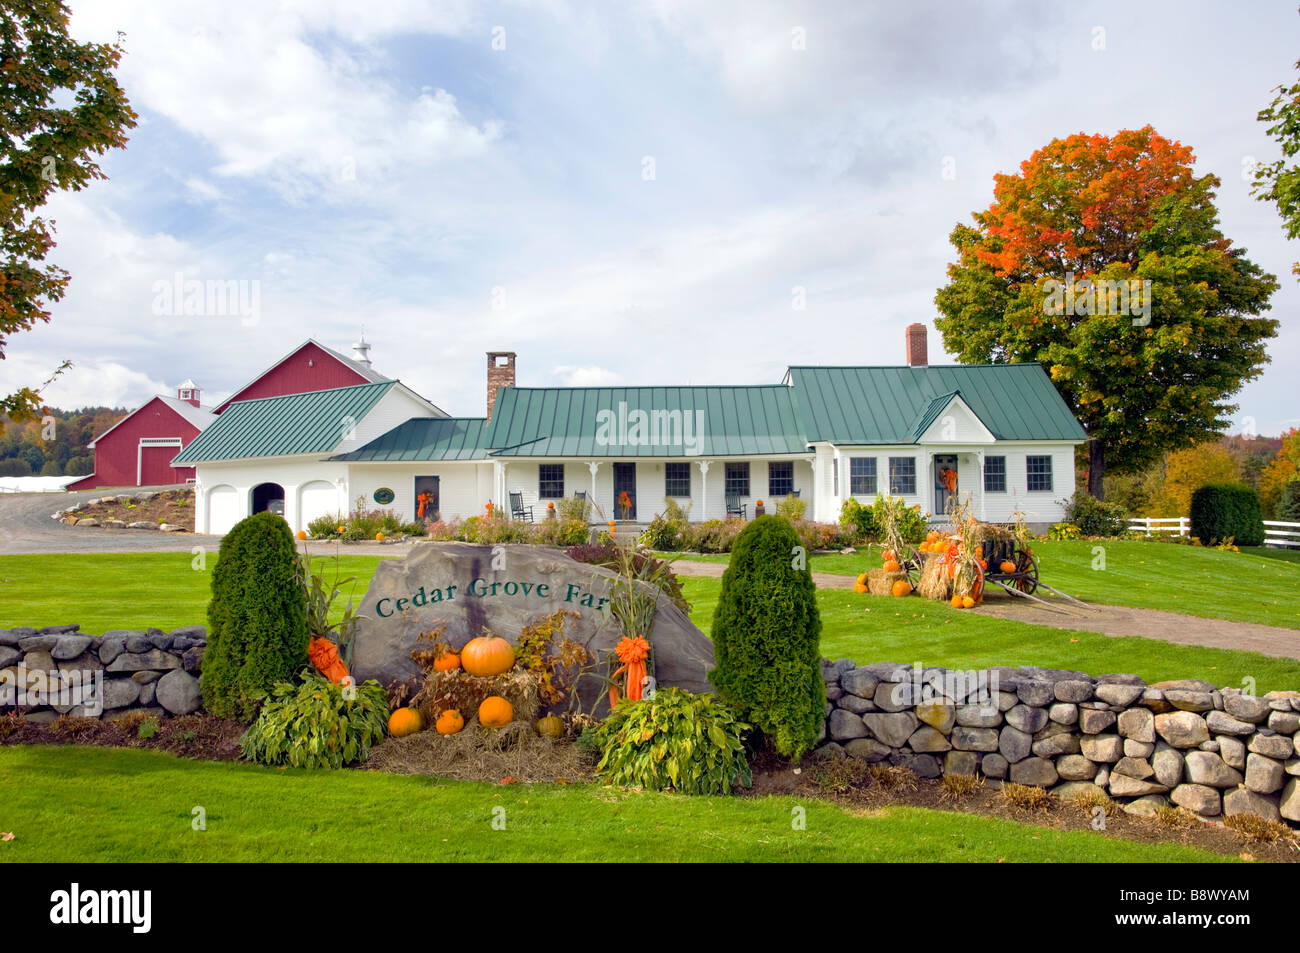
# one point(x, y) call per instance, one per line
point(1227, 511)
point(257, 619)
point(766, 639)
point(1095, 517)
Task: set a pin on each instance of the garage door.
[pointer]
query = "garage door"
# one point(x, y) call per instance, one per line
point(224, 510)
point(318, 499)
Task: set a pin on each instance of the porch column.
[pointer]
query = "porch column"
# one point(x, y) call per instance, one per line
point(704, 488)
point(815, 501)
point(593, 466)
point(979, 458)
point(498, 482)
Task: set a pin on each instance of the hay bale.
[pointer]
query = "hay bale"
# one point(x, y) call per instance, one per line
point(483, 754)
point(881, 582)
point(464, 692)
point(935, 582)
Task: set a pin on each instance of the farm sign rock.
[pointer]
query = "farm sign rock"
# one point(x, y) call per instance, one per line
point(467, 587)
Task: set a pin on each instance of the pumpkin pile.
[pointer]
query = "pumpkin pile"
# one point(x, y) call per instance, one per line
point(889, 580)
point(484, 680)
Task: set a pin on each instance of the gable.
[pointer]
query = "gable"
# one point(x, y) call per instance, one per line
point(156, 417)
point(949, 419)
point(309, 367)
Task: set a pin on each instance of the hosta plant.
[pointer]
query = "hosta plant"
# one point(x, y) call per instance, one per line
point(689, 743)
point(316, 724)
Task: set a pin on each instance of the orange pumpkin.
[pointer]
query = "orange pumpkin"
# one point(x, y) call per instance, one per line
point(379, 537)
point(487, 656)
point(902, 588)
point(859, 587)
point(405, 721)
point(495, 712)
point(1007, 566)
point(967, 602)
point(449, 722)
point(302, 534)
point(956, 602)
point(892, 566)
point(447, 662)
point(888, 555)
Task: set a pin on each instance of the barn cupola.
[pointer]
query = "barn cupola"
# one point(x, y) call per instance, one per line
point(361, 352)
point(188, 391)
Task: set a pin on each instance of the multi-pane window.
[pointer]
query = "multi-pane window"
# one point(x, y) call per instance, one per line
point(995, 474)
point(862, 476)
point(1038, 473)
point(677, 479)
point(780, 478)
point(902, 476)
point(736, 482)
point(550, 481)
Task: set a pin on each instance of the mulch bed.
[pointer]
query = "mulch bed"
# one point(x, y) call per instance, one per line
point(849, 784)
point(167, 506)
point(189, 736)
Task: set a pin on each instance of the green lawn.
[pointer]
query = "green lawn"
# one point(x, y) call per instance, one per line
point(135, 590)
point(104, 591)
point(1254, 585)
point(88, 804)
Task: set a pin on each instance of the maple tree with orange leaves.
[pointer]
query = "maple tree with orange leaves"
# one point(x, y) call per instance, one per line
point(1126, 213)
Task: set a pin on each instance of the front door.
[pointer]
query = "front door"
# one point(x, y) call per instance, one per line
point(945, 482)
point(426, 499)
point(625, 483)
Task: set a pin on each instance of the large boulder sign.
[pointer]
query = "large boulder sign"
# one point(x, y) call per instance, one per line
point(468, 587)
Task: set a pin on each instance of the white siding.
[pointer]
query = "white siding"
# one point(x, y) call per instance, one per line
point(463, 487)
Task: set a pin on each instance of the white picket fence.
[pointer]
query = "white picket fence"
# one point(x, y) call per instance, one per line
point(1276, 532)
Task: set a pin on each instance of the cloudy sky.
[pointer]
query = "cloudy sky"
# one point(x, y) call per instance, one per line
point(622, 193)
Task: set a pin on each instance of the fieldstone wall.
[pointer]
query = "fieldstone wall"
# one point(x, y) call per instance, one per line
point(1213, 751)
point(59, 670)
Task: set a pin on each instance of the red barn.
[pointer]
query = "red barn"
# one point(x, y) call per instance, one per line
point(310, 367)
point(138, 449)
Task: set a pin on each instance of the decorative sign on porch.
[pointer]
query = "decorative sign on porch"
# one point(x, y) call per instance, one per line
point(468, 587)
point(384, 496)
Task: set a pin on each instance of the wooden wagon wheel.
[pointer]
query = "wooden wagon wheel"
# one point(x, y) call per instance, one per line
point(1026, 572)
point(912, 562)
point(977, 589)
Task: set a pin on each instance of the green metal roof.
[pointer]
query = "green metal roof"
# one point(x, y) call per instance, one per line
point(890, 405)
point(425, 438)
point(602, 422)
point(314, 422)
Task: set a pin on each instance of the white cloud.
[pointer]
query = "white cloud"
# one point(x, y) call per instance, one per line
point(92, 383)
point(587, 376)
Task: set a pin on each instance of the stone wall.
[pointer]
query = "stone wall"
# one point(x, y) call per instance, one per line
point(60, 670)
point(1213, 751)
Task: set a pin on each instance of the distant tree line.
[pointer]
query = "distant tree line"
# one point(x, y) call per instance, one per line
point(54, 443)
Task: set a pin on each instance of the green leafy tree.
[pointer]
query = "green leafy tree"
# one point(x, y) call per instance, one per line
point(1143, 377)
point(61, 107)
point(257, 618)
point(766, 638)
point(1279, 181)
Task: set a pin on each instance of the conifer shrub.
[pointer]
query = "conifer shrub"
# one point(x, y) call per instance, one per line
point(257, 618)
point(766, 638)
point(1222, 512)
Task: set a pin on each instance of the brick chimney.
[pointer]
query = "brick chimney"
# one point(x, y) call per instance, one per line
point(916, 356)
point(501, 373)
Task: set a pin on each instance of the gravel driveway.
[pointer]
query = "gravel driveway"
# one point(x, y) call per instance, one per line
point(26, 527)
